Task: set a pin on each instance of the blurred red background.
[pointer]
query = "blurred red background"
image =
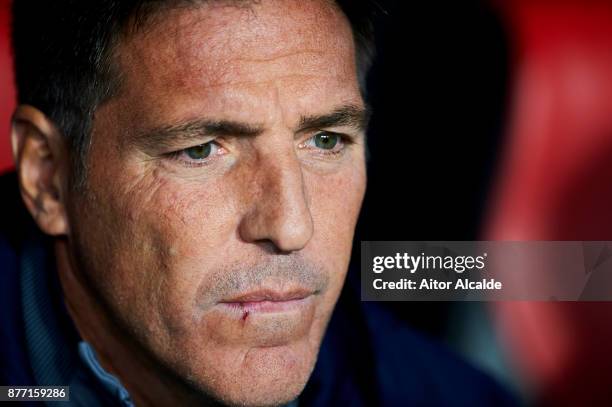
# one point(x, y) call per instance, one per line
point(7, 90)
point(554, 184)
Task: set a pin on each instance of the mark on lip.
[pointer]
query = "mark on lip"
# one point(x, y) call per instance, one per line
point(245, 313)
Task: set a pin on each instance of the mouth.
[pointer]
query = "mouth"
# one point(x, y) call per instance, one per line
point(269, 300)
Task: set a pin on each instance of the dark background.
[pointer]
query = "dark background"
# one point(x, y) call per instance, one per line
point(438, 90)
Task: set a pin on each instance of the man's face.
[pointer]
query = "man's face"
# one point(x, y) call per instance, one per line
point(224, 183)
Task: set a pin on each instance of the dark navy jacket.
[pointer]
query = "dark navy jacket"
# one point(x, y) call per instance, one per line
point(367, 358)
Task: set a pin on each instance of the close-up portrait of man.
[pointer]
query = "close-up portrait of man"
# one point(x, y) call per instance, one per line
point(189, 175)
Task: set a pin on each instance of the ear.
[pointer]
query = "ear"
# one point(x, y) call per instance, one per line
point(41, 158)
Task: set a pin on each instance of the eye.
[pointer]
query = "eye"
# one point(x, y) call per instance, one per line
point(327, 141)
point(199, 152)
point(198, 155)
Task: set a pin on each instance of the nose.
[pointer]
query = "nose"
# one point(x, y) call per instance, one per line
point(279, 212)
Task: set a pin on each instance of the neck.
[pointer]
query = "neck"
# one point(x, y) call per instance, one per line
point(117, 352)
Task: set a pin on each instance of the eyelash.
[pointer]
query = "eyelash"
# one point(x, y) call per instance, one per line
point(345, 141)
point(177, 155)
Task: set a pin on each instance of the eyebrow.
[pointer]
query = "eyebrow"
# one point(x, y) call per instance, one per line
point(192, 130)
point(171, 135)
point(347, 115)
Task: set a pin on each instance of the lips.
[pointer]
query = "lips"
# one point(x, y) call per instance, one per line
point(262, 317)
point(268, 300)
point(269, 295)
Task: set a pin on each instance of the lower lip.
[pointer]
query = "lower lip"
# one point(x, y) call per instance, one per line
point(267, 306)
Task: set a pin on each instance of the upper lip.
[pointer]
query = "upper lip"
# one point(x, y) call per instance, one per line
point(270, 295)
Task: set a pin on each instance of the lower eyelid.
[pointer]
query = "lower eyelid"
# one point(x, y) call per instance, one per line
point(181, 157)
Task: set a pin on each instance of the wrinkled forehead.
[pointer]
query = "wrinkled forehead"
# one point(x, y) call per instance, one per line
point(219, 43)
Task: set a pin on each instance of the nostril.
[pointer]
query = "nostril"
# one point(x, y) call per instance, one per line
point(269, 247)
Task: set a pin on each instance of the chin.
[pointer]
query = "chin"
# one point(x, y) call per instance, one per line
point(258, 376)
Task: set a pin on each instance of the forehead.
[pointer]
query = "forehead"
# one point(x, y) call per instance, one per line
point(219, 52)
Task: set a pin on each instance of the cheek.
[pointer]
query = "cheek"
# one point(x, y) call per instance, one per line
point(335, 201)
point(188, 227)
point(152, 232)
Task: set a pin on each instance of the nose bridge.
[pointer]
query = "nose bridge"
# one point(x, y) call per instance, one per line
point(279, 211)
